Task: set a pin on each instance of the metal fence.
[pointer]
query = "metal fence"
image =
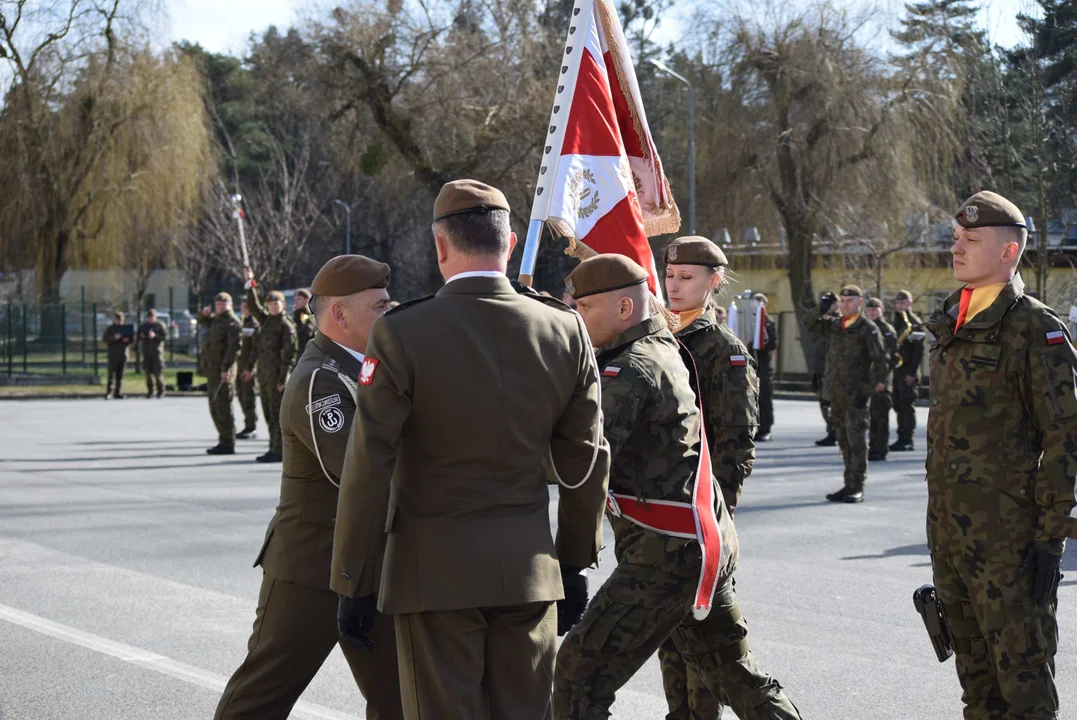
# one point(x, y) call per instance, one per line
point(63, 342)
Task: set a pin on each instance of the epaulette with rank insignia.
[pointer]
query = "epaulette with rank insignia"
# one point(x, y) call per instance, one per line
point(409, 303)
point(530, 292)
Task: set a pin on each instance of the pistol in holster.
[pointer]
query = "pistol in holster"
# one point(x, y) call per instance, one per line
point(927, 603)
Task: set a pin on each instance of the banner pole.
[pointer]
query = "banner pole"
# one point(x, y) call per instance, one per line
point(527, 265)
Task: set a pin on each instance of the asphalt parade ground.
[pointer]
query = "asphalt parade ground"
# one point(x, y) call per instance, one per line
point(127, 592)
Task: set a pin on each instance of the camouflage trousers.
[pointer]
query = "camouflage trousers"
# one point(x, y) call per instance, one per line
point(220, 408)
point(905, 407)
point(687, 695)
point(154, 369)
point(632, 614)
point(850, 426)
point(1004, 643)
point(271, 399)
point(879, 432)
point(248, 400)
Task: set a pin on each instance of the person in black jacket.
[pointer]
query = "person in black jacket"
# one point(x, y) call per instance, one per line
point(117, 343)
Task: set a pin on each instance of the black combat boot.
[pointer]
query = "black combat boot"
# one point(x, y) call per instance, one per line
point(246, 434)
point(221, 449)
point(762, 435)
point(902, 446)
point(829, 441)
point(269, 457)
point(876, 456)
point(838, 496)
point(853, 496)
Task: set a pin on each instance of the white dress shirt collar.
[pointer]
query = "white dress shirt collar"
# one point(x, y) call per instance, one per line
point(476, 273)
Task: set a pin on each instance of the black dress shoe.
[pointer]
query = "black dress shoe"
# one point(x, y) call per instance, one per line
point(269, 457)
point(247, 434)
point(875, 457)
point(838, 496)
point(763, 437)
point(853, 496)
point(902, 446)
point(221, 449)
point(829, 441)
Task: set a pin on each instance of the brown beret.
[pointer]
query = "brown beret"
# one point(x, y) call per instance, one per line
point(760, 297)
point(467, 196)
point(851, 291)
point(988, 209)
point(303, 292)
point(275, 295)
point(694, 250)
point(874, 302)
point(604, 273)
point(223, 297)
point(349, 274)
point(903, 295)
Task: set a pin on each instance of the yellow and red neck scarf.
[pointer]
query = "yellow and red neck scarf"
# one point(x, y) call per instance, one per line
point(847, 321)
point(975, 300)
point(689, 316)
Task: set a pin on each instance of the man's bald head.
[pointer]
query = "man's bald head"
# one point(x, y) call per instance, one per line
point(609, 314)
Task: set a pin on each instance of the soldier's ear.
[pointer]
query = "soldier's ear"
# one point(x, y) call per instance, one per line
point(442, 247)
point(512, 243)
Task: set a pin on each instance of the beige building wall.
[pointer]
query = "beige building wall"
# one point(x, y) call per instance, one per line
point(116, 288)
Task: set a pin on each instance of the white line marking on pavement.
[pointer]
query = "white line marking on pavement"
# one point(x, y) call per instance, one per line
point(149, 660)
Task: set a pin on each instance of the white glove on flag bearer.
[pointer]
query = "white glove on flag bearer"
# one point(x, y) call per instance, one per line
point(601, 180)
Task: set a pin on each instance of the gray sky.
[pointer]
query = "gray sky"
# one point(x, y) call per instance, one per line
point(224, 25)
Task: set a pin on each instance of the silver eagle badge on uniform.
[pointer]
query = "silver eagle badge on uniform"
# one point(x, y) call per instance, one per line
point(972, 213)
point(672, 254)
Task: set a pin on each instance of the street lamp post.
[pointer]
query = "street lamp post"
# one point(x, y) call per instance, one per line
point(691, 144)
point(347, 226)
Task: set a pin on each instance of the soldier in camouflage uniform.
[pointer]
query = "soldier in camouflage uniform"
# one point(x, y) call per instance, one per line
point(856, 367)
point(817, 366)
point(117, 344)
point(695, 270)
point(879, 432)
point(275, 356)
point(910, 335)
point(653, 426)
point(151, 335)
point(248, 396)
point(1001, 461)
point(216, 359)
point(303, 319)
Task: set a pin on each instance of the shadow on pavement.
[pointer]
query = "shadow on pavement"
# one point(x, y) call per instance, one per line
point(917, 549)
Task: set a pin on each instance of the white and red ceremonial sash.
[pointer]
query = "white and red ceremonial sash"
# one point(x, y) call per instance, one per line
point(601, 180)
point(696, 520)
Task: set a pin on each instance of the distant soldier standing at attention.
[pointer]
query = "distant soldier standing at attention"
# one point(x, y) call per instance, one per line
point(248, 395)
point(275, 353)
point(879, 431)
point(856, 368)
point(1001, 462)
point(304, 320)
point(117, 344)
point(910, 335)
point(152, 335)
point(216, 361)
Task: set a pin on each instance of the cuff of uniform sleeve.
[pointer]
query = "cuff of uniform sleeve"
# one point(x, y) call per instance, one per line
point(1054, 524)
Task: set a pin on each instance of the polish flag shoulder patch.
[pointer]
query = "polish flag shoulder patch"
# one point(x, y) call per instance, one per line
point(1055, 337)
point(738, 361)
point(611, 371)
point(366, 375)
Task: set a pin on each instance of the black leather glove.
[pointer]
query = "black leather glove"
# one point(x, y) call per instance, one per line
point(1044, 561)
point(355, 618)
point(826, 301)
point(570, 610)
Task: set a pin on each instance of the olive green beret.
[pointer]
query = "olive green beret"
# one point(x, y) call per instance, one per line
point(603, 273)
point(694, 250)
point(303, 292)
point(988, 209)
point(851, 291)
point(467, 196)
point(903, 295)
point(275, 295)
point(349, 274)
point(874, 302)
point(223, 297)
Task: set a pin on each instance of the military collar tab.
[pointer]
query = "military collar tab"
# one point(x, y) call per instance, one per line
point(651, 326)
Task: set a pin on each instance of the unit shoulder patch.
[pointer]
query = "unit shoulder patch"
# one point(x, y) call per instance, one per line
point(331, 420)
point(325, 402)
